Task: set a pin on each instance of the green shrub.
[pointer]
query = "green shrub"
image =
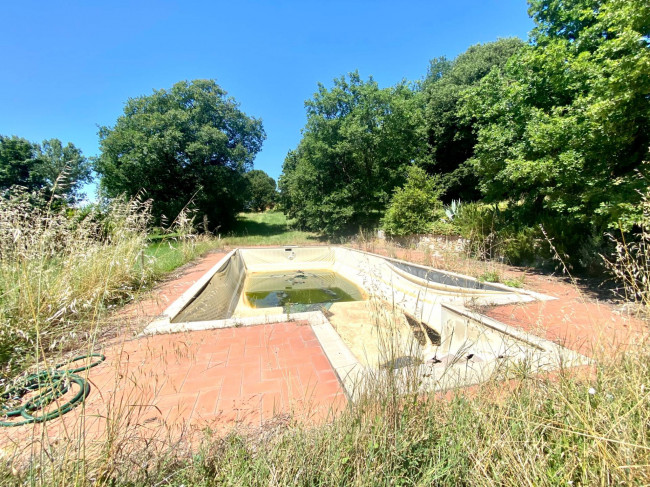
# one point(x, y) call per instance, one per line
point(490, 276)
point(519, 282)
point(442, 227)
point(522, 247)
point(476, 223)
point(501, 232)
point(414, 207)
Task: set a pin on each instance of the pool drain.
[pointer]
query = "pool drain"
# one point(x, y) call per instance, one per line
point(31, 397)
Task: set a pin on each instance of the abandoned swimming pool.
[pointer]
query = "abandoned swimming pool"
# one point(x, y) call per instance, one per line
point(299, 290)
point(369, 313)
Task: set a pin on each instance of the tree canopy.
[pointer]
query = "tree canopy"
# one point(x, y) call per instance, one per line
point(43, 166)
point(261, 190)
point(451, 138)
point(191, 142)
point(19, 164)
point(64, 165)
point(355, 147)
point(563, 129)
point(555, 132)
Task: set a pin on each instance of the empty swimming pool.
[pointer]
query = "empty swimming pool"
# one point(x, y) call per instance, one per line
point(367, 311)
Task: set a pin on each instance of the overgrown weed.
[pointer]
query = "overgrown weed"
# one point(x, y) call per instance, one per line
point(59, 271)
point(630, 262)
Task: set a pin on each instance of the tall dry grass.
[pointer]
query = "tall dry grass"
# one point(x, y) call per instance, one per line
point(60, 268)
point(630, 262)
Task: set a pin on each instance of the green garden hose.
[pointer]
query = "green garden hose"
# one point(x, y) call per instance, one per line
point(51, 385)
point(85, 367)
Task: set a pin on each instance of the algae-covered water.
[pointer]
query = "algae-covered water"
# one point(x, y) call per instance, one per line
point(298, 290)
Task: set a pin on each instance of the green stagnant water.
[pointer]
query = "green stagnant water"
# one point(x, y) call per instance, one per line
point(299, 290)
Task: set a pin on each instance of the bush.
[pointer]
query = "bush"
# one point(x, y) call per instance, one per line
point(495, 233)
point(522, 247)
point(414, 207)
point(476, 223)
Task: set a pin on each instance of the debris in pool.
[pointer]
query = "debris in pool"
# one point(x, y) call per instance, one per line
point(267, 290)
point(401, 362)
point(421, 331)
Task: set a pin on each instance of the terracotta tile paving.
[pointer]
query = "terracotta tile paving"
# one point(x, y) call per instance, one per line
point(218, 379)
point(588, 326)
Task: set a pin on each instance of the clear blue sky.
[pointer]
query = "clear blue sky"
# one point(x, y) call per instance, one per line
point(70, 66)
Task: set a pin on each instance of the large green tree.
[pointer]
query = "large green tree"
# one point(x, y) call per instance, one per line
point(262, 190)
point(563, 129)
point(451, 137)
point(355, 147)
point(46, 166)
point(191, 142)
point(19, 164)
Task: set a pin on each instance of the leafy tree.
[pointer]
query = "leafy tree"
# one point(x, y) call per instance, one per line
point(190, 142)
point(562, 130)
point(451, 137)
point(357, 142)
point(19, 164)
point(64, 165)
point(262, 190)
point(37, 167)
point(415, 206)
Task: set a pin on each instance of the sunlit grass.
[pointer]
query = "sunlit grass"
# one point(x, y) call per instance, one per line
point(252, 229)
point(267, 228)
point(170, 254)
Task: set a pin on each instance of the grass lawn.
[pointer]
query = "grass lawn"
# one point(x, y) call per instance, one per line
point(267, 228)
point(170, 254)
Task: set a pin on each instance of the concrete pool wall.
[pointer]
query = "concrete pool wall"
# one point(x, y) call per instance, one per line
point(424, 313)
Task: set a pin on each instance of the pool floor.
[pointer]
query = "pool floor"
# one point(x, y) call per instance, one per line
point(374, 332)
point(298, 288)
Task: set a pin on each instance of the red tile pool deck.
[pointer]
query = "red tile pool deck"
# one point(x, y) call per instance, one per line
point(220, 379)
point(242, 374)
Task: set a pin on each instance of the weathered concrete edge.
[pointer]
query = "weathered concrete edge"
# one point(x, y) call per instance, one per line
point(571, 356)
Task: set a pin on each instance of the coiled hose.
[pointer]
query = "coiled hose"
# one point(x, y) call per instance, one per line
point(50, 385)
